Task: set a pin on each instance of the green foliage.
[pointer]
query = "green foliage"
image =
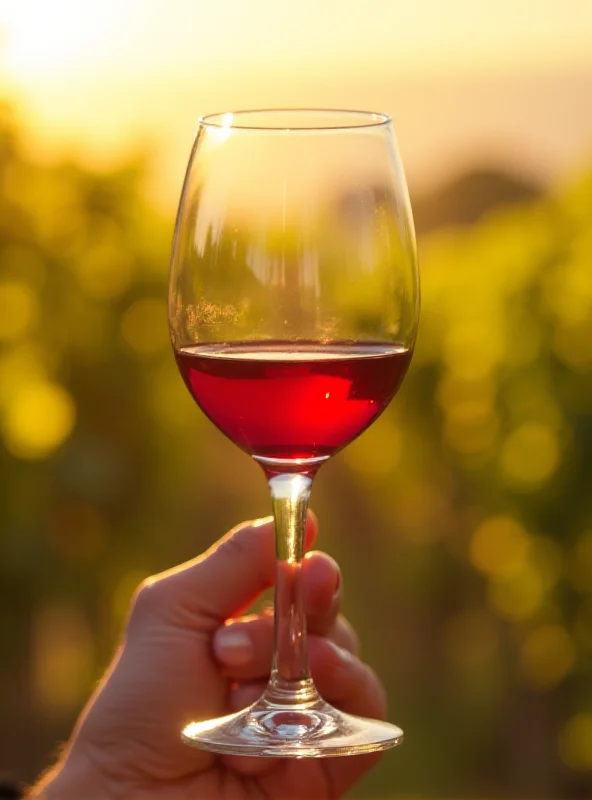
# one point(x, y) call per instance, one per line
point(469, 500)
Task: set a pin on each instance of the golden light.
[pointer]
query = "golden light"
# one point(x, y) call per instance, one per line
point(573, 344)
point(568, 289)
point(526, 347)
point(21, 260)
point(548, 654)
point(103, 76)
point(169, 401)
point(105, 272)
point(20, 309)
point(530, 455)
point(580, 563)
point(48, 38)
point(378, 452)
point(473, 348)
point(575, 742)
point(20, 366)
point(547, 557)
point(38, 418)
point(499, 547)
point(583, 625)
point(220, 134)
point(471, 429)
point(454, 392)
point(520, 597)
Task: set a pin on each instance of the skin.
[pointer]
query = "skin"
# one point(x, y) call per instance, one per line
point(188, 654)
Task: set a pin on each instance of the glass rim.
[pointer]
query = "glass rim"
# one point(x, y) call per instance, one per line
point(335, 119)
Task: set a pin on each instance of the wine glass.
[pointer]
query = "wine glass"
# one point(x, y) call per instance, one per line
point(294, 304)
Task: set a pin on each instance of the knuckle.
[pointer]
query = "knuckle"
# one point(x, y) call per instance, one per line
point(348, 636)
point(248, 545)
point(233, 545)
point(146, 601)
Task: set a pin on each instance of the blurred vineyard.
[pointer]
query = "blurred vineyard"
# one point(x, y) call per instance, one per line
point(462, 519)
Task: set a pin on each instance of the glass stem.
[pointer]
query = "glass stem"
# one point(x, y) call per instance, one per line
point(290, 682)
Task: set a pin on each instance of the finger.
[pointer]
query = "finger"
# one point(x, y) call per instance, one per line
point(244, 647)
point(243, 695)
point(220, 583)
point(345, 681)
point(236, 643)
point(343, 635)
point(352, 686)
point(343, 773)
point(322, 591)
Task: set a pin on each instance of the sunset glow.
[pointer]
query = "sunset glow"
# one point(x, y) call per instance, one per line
point(46, 41)
point(99, 79)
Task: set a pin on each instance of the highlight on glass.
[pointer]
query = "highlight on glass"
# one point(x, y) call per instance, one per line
point(293, 305)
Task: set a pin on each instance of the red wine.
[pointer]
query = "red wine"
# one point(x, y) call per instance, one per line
point(286, 401)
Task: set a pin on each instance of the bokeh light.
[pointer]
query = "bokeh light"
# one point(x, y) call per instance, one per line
point(473, 349)
point(548, 655)
point(462, 519)
point(575, 742)
point(19, 309)
point(518, 597)
point(547, 557)
point(499, 547)
point(583, 625)
point(530, 455)
point(377, 455)
point(105, 272)
point(38, 419)
point(580, 563)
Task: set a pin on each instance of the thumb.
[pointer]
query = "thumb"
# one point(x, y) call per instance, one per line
point(228, 577)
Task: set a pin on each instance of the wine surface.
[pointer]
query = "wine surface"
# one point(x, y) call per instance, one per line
point(286, 401)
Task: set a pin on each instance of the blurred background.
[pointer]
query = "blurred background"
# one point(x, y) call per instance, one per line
point(470, 499)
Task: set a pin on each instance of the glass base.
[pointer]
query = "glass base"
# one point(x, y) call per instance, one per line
point(315, 730)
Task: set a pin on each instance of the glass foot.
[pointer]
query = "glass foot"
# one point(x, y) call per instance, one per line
point(316, 730)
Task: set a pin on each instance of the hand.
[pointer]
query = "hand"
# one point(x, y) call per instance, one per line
point(188, 656)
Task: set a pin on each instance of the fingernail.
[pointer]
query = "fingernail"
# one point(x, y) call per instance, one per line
point(232, 646)
point(337, 571)
point(256, 523)
point(337, 580)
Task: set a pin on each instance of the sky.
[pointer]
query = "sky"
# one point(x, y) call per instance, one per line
point(464, 79)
